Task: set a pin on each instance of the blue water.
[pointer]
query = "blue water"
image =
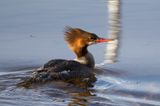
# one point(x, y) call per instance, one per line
point(31, 33)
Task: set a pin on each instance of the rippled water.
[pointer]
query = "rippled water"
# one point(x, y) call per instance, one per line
point(31, 33)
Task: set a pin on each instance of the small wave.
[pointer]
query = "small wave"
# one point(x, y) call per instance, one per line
point(124, 91)
point(131, 85)
point(126, 100)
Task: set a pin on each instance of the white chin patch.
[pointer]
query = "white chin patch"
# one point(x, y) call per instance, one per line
point(90, 43)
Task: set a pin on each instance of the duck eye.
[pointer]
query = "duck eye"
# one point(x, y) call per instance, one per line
point(92, 38)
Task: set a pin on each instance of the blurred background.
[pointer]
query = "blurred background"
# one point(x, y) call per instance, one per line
point(31, 33)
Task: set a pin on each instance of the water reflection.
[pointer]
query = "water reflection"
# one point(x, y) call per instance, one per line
point(108, 90)
point(80, 99)
point(114, 13)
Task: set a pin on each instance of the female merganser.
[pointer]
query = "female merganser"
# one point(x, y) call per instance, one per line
point(80, 69)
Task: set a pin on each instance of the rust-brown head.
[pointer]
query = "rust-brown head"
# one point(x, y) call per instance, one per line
point(78, 39)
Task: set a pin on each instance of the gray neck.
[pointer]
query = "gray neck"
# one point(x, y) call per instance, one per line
point(87, 59)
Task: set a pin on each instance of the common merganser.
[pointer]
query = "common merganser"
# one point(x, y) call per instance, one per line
point(70, 70)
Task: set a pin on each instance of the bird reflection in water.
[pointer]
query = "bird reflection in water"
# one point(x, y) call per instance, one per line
point(80, 99)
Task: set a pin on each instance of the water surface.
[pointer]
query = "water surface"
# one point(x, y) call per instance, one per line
point(31, 33)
